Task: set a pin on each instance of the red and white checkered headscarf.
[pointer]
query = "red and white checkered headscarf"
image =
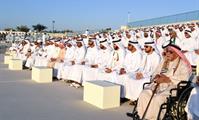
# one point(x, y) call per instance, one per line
point(181, 55)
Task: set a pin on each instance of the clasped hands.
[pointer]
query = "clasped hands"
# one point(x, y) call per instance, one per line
point(53, 59)
point(161, 78)
point(122, 71)
point(108, 70)
point(94, 66)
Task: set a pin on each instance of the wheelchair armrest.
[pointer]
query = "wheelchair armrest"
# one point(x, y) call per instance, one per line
point(147, 83)
point(173, 92)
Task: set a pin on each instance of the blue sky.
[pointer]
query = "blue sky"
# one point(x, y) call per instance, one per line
point(83, 14)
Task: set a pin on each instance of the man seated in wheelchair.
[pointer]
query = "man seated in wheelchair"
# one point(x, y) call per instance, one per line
point(192, 107)
point(173, 69)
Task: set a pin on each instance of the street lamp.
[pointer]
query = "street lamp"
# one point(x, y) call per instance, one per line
point(129, 15)
point(53, 22)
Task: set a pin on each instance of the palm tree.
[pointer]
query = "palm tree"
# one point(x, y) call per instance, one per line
point(39, 27)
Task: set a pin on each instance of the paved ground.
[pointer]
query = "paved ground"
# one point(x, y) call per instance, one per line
point(23, 99)
point(4, 46)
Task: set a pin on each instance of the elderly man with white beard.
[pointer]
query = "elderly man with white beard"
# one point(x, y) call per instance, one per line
point(173, 69)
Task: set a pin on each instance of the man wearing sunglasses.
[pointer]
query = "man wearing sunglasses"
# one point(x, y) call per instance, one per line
point(131, 64)
point(149, 63)
point(151, 59)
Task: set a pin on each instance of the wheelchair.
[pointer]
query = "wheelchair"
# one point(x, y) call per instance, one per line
point(174, 107)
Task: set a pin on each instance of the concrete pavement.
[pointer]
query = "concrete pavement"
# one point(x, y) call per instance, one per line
point(23, 99)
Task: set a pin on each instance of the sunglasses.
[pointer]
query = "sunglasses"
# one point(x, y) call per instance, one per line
point(169, 51)
point(146, 46)
point(130, 45)
point(186, 33)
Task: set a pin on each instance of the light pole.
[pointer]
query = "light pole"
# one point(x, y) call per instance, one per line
point(128, 19)
point(53, 22)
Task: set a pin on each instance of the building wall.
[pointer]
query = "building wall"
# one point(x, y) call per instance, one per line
point(183, 17)
point(16, 32)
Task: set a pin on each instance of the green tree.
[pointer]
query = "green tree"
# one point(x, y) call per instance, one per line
point(68, 31)
point(9, 29)
point(23, 28)
point(39, 27)
point(105, 30)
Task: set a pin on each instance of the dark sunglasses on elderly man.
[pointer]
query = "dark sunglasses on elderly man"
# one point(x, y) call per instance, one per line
point(169, 51)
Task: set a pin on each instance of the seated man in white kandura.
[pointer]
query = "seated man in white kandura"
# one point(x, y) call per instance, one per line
point(150, 62)
point(64, 69)
point(90, 58)
point(101, 61)
point(173, 69)
point(75, 71)
point(131, 64)
point(34, 51)
point(58, 63)
point(115, 62)
point(23, 50)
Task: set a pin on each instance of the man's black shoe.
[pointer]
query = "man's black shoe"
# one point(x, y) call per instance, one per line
point(129, 115)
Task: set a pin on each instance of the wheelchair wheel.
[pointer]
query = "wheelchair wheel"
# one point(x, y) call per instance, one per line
point(168, 110)
point(182, 102)
point(168, 117)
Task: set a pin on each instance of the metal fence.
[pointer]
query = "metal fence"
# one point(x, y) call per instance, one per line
point(183, 17)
